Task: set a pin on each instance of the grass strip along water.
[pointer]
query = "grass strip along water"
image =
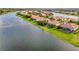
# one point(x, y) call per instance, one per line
point(68, 37)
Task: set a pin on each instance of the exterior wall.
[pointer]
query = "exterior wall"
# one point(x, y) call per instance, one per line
point(65, 29)
point(33, 18)
point(76, 28)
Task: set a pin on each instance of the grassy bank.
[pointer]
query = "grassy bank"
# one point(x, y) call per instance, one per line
point(68, 37)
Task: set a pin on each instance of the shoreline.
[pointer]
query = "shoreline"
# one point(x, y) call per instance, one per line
point(67, 37)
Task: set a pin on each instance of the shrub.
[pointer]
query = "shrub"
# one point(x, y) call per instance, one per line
point(28, 16)
point(51, 26)
point(77, 22)
point(72, 21)
point(18, 13)
point(42, 23)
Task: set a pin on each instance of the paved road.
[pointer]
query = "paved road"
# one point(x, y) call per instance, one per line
point(18, 35)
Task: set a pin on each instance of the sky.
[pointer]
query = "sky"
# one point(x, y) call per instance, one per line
point(39, 3)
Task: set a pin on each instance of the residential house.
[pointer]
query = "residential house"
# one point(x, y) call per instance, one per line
point(33, 17)
point(40, 18)
point(58, 18)
point(24, 13)
point(53, 22)
point(69, 27)
point(74, 19)
point(43, 15)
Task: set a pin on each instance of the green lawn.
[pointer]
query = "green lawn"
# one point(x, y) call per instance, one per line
point(68, 37)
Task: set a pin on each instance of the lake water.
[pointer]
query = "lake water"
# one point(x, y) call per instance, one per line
point(18, 35)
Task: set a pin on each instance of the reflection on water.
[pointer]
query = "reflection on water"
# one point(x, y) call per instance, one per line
point(24, 36)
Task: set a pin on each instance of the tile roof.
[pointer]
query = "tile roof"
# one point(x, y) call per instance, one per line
point(70, 26)
point(54, 22)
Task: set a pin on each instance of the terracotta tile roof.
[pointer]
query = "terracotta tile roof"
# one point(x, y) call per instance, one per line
point(53, 22)
point(33, 16)
point(40, 18)
point(43, 14)
point(70, 26)
point(25, 13)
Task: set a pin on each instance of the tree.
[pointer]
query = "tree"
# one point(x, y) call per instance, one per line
point(77, 22)
point(42, 22)
point(1, 11)
point(62, 21)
